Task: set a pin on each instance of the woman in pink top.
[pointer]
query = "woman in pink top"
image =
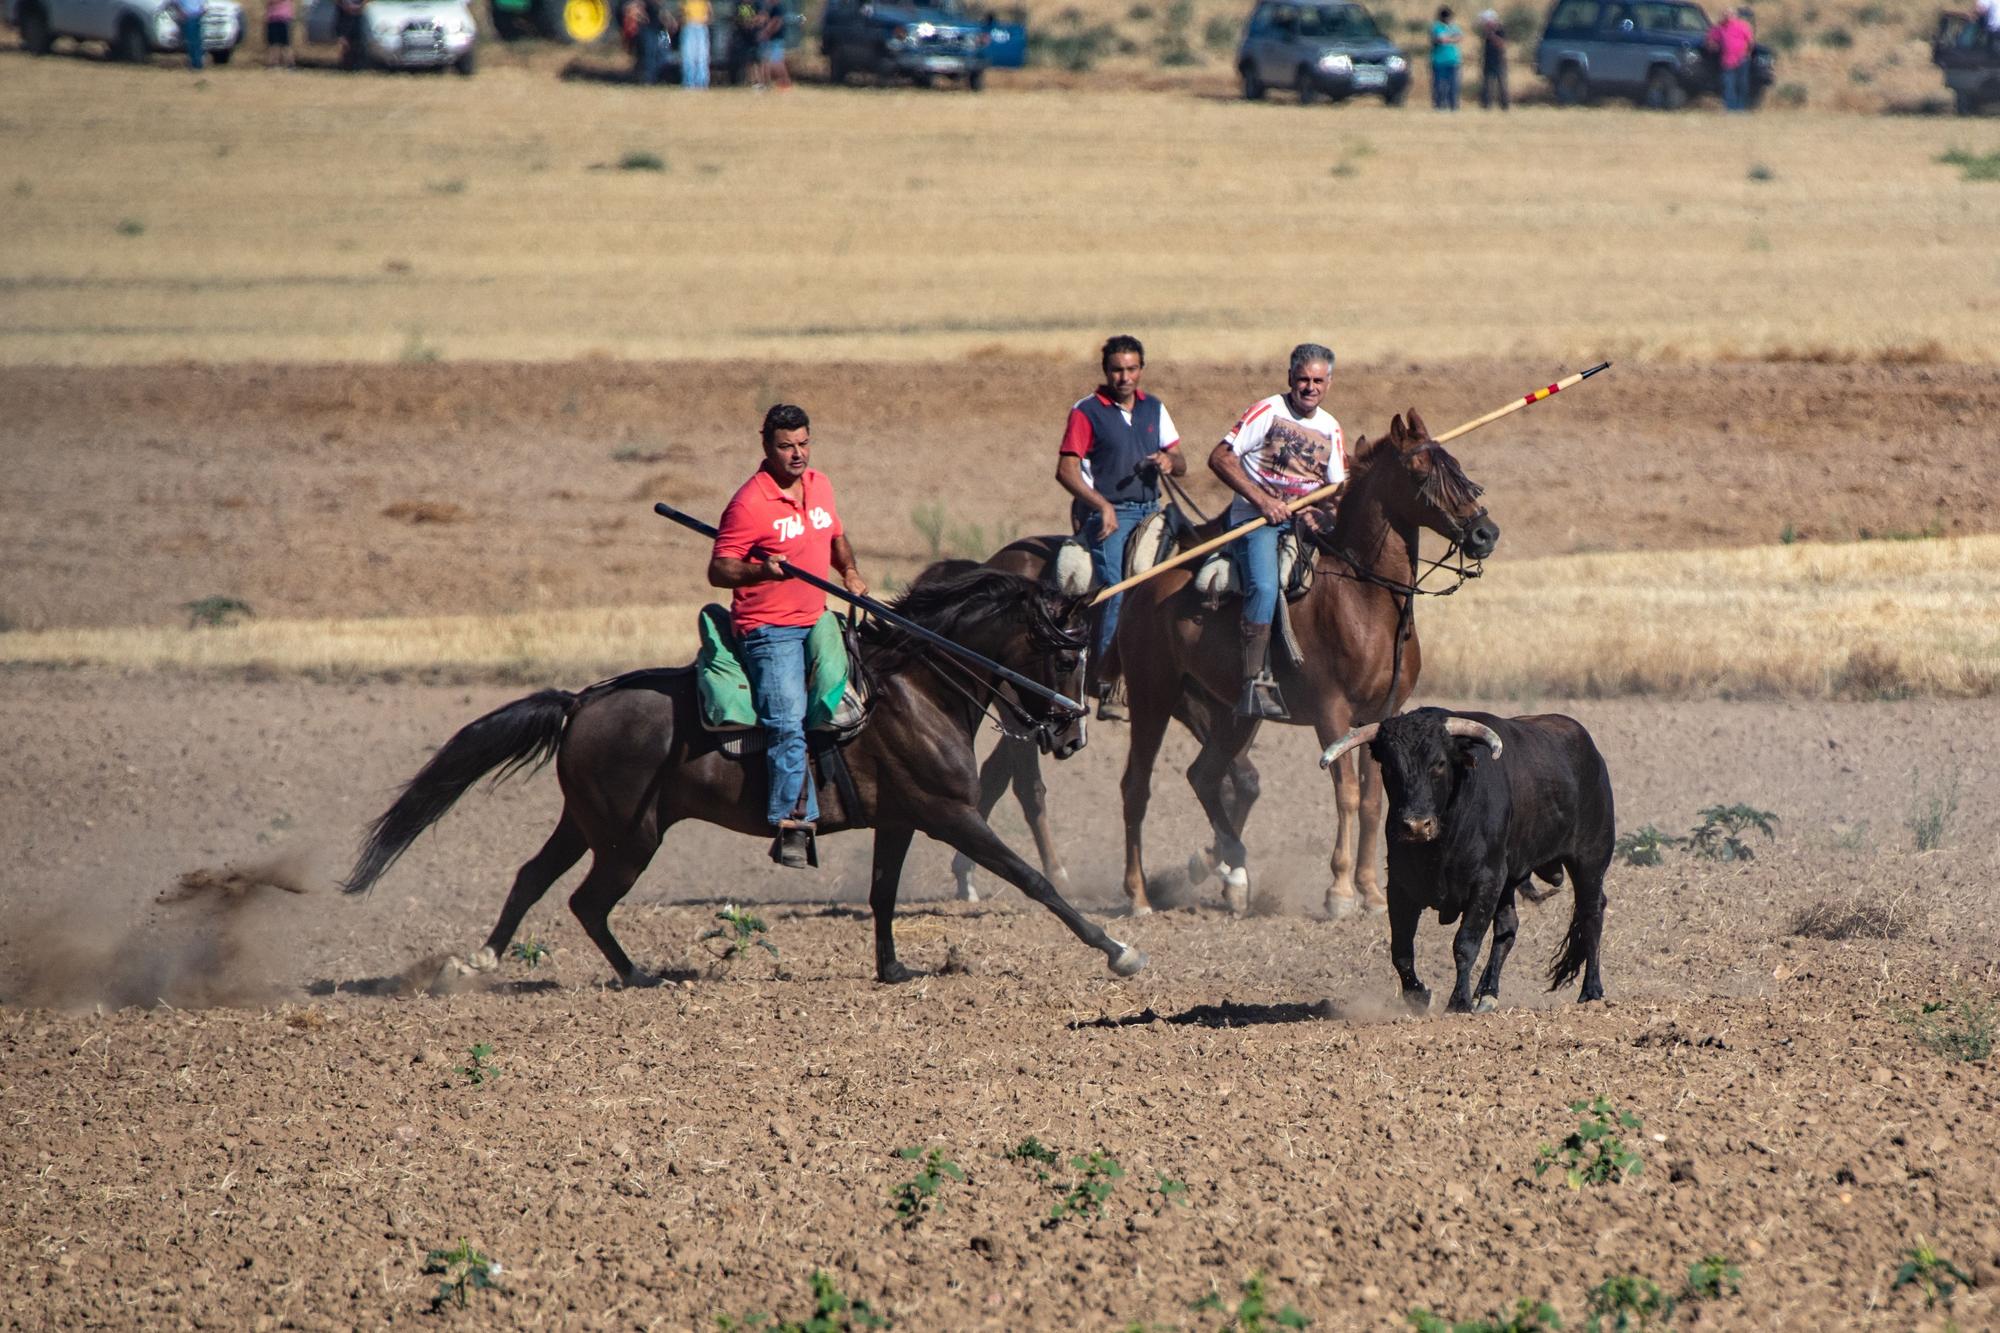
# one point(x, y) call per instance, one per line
point(278, 16)
point(1732, 40)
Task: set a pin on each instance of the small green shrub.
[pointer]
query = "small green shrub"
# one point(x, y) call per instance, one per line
point(480, 1070)
point(1097, 1173)
point(1788, 535)
point(1172, 1193)
point(1958, 1029)
point(833, 1312)
point(1791, 96)
point(1973, 167)
point(213, 612)
point(1627, 1303)
point(455, 185)
point(947, 538)
point(1642, 846)
point(1253, 1312)
point(1761, 173)
point(1219, 34)
point(1836, 39)
point(1937, 1277)
point(1873, 16)
point(1931, 812)
point(918, 1195)
point(530, 951)
point(740, 932)
point(1593, 1153)
point(1859, 76)
point(462, 1269)
point(1070, 45)
point(1528, 1317)
point(1783, 37)
point(1032, 1149)
point(1712, 1277)
point(417, 350)
point(131, 227)
point(1717, 837)
point(641, 160)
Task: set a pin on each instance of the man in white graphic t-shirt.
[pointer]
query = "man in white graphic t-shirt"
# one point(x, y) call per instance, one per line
point(1281, 448)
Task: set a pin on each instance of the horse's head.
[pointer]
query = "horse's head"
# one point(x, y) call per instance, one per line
point(1058, 634)
point(1427, 486)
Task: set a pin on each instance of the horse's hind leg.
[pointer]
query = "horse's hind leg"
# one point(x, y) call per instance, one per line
point(1225, 782)
point(1149, 728)
point(1368, 834)
point(611, 877)
point(1014, 762)
point(564, 849)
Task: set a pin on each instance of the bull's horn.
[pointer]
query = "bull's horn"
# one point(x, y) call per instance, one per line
point(1358, 736)
point(1465, 726)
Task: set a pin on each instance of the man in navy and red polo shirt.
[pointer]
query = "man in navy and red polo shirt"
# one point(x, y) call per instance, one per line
point(1116, 445)
point(783, 517)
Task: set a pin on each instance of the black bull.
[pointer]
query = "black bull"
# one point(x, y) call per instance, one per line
point(1477, 805)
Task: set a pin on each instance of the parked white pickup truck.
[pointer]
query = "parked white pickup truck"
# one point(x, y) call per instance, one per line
point(405, 34)
point(133, 29)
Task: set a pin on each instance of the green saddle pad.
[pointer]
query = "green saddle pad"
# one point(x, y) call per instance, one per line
point(724, 688)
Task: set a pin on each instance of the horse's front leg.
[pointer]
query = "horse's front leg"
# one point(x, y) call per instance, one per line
point(1331, 725)
point(891, 846)
point(1368, 842)
point(968, 833)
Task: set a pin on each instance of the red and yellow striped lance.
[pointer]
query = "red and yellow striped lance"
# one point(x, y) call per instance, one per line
point(1314, 497)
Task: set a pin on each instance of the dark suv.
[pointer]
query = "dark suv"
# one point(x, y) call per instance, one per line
point(913, 41)
point(1316, 49)
point(1650, 50)
point(1969, 55)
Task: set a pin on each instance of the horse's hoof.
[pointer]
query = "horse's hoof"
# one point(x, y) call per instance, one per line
point(1198, 867)
point(639, 979)
point(966, 892)
point(1129, 961)
point(483, 961)
point(1417, 1001)
point(894, 974)
point(1338, 906)
point(1138, 907)
point(1235, 889)
point(1485, 1004)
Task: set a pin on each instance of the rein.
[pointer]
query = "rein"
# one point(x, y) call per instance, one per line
point(1454, 561)
point(986, 697)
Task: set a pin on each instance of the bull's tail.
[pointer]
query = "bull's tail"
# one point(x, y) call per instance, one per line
point(1586, 904)
point(522, 734)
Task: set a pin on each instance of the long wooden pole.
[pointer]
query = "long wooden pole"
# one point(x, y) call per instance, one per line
point(1314, 497)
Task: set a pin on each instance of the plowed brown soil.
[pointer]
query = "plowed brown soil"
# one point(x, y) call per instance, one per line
point(655, 1158)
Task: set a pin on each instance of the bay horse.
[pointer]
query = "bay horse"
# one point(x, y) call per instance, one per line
point(1187, 657)
point(633, 759)
point(1184, 661)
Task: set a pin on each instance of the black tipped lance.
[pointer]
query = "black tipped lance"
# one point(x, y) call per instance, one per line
point(904, 623)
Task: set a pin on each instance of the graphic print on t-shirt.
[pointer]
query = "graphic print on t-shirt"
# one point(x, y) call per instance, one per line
point(1292, 458)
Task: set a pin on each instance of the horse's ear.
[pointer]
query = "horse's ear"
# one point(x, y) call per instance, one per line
point(1363, 449)
point(1417, 426)
point(1397, 433)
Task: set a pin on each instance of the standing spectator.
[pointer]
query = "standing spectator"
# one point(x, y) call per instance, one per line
point(347, 30)
point(745, 27)
point(1444, 61)
point(1492, 61)
point(645, 27)
point(278, 15)
point(771, 45)
point(1116, 445)
point(1732, 40)
point(189, 13)
point(693, 37)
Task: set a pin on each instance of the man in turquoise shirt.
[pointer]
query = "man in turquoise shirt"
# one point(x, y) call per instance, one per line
point(1444, 62)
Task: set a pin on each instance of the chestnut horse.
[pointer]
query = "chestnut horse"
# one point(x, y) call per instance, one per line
point(1185, 659)
point(633, 760)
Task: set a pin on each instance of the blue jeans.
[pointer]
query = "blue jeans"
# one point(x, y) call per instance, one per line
point(1444, 87)
point(652, 54)
point(192, 39)
point(774, 657)
point(694, 56)
point(1107, 560)
point(1256, 555)
point(1736, 88)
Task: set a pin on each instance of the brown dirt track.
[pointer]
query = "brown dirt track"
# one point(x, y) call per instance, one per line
point(653, 1158)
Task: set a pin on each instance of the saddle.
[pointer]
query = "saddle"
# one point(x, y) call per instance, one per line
point(837, 699)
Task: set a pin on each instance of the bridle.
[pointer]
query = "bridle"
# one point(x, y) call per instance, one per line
point(999, 703)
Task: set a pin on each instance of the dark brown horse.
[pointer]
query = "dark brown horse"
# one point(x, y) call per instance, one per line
point(1184, 661)
point(634, 759)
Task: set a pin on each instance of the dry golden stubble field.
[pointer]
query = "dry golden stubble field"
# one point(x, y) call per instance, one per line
point(256, 216)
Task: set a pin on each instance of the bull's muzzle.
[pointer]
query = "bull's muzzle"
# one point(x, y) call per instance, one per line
point(1424, 829)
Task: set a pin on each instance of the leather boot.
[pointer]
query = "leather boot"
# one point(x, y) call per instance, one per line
point(1260, 691)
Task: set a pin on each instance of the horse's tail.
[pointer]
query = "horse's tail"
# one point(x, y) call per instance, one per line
point(522, 734)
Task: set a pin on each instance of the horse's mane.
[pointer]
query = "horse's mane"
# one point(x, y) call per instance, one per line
point(1447, 488)
point(956, 597)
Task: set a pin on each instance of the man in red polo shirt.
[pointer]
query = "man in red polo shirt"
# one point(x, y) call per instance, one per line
point(782, 517)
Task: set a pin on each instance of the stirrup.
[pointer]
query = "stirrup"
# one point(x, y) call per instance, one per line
point(796, 845)
point(1262, 699)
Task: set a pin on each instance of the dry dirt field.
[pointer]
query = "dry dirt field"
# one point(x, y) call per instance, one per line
point(332, 380)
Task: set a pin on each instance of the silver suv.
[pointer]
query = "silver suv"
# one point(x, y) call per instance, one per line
point(1319, 49)
point(130, 29)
